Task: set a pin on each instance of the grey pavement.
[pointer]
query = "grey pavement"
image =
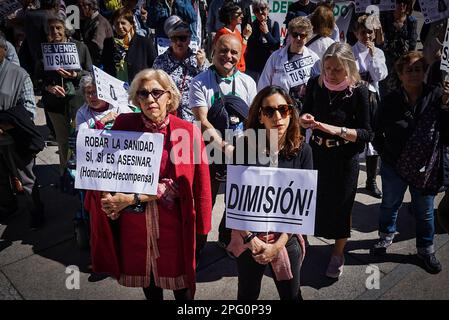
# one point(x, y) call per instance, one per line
point(33, 265)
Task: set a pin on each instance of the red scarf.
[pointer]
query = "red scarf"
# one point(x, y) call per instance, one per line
point(155, 127)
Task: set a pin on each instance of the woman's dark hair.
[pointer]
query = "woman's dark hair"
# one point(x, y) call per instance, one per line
point(293, 138)
point(227, 11)
point(406, 58)
point(125, 14)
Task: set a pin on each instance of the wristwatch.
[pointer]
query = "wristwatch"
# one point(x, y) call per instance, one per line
point(248, 238)
point(343, 132)
point(137, 200)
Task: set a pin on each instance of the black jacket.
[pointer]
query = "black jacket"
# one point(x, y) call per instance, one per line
point(260, 47)
point(140, 55)
point(393, 127)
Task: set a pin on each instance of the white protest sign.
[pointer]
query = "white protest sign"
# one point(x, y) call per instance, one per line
point(266, 199)
point(298, 71)
point(60, 55)
point(445, 51)
point(383, 5)
point(434, 10)
point(9, 6)
point(343, 12)
point(118, 161)
point(110, 89)
point(164, 43)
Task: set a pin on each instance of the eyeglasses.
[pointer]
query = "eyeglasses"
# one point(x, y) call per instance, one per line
point(179, 38)
point(297, 34)
point(367, 31)
point(416, 69)
point(260, 10)
point(90, 94)
point(284, 110)
point(155, 93)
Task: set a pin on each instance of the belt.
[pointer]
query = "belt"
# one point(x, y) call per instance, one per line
point(329, 143)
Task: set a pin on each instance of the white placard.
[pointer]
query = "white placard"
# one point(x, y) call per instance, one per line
point(265, 199)
point(445, 51)
point(9, 6)
point(382, 5)
point(118, 161)
point(164, 43)
point(110, 89)
point(434, 10)
point(60, 55)
point(298, 71)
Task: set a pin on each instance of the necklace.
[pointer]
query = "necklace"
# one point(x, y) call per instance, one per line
point(331, 100)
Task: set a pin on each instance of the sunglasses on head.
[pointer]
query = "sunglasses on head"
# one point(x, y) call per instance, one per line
point(284, 110)
point(297, 34)
point(179, 38)
point(155, 93)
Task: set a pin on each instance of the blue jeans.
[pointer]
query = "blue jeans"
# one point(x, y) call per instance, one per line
point(422, 206)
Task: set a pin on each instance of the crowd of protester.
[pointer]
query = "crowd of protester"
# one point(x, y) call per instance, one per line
point(374, 97)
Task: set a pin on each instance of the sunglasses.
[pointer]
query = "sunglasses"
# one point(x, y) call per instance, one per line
point(155, 93)
point(179, 38)
point(238, 13)
point(297, 34)
point(284, 110)
point(260, 10)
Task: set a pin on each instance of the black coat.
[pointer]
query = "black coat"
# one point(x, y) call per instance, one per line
point(140, 55)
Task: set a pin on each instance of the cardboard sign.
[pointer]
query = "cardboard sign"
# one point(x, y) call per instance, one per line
point(434, 10)
point(110, 89)
point(118, 161)
point(9, 6)
point(445, 51)
point(164, 43)
point(298, 71)
point(266, 199)
point(60, 55)
point(374, 5)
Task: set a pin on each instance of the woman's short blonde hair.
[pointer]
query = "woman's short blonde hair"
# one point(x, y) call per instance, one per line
point(343, 52)
point(302, 23)
point(164, 80)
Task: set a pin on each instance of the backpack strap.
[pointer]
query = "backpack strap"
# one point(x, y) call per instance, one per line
point(315, 38)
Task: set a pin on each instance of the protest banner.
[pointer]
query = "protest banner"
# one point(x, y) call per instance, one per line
point(444, 66)
point(118, 161)
point(60, 55)
point(266, 199)
point(110, 89)
point(9, 6)
point(434, 10)
point(382, 5)
point(343, 11)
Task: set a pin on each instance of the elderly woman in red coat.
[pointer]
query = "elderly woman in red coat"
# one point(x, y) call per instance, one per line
point(155, 249)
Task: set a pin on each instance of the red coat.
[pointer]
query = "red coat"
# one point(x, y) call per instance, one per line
point(195, 202)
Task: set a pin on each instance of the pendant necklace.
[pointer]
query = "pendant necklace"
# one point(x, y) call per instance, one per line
point(331, 100)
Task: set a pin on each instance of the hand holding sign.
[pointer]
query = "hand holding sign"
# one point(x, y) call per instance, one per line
point(67, 74)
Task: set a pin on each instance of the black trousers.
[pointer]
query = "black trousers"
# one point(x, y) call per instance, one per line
point(251, 273)
point(11, 162)
point(156, 294)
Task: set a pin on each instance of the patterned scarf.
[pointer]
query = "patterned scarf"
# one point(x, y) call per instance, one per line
point(121, 46)
point(155, 127)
